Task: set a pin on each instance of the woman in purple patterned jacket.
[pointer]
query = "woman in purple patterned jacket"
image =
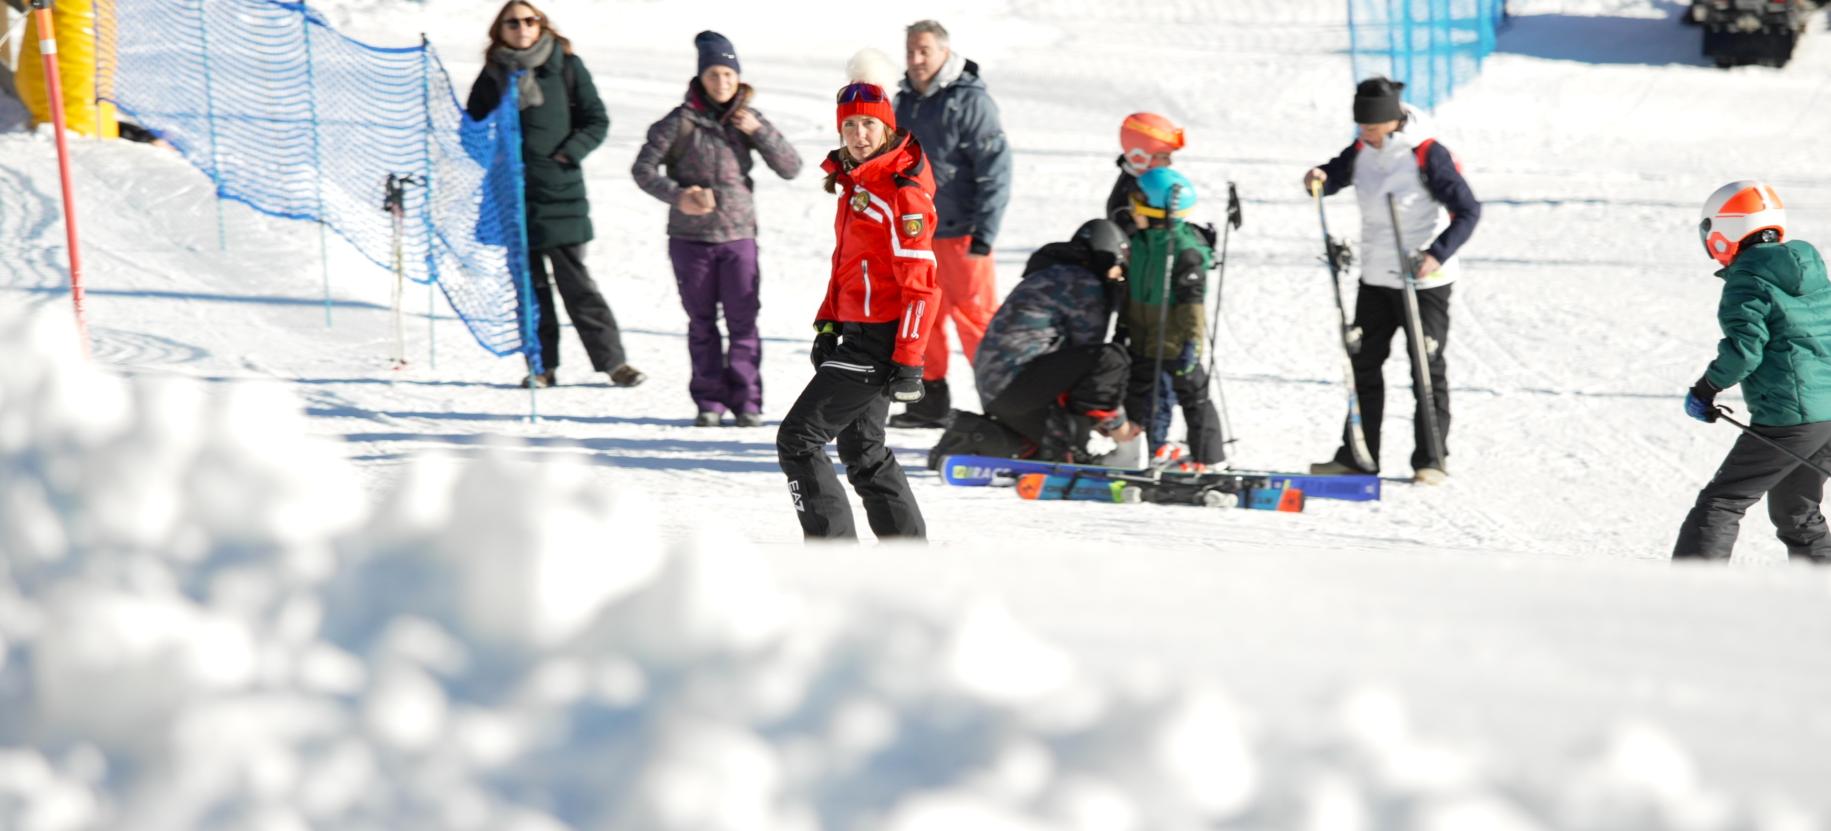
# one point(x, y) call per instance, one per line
point(698, 160)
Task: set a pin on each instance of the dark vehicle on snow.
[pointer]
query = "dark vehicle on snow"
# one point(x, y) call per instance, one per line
point(1750, 31)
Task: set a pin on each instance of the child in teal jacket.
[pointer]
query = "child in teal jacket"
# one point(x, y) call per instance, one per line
point(1775, 314)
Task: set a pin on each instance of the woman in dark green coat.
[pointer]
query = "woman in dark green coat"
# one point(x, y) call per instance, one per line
point(562, 120)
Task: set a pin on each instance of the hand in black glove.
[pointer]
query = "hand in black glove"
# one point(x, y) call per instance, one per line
point(1209, 235)
point(824, 343)
point(980, 248)
point(906, 383)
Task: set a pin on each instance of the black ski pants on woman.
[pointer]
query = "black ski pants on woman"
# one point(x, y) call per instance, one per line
point(1754, 469)
point(590, 314)
point(848, 399)
point(1379, 313)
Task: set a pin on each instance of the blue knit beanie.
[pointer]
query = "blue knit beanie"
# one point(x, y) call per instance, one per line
point(716, 50)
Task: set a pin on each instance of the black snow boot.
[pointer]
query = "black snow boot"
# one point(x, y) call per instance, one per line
point(930, 413)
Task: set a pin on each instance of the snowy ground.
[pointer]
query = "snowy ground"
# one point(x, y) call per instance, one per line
point(1520, 612)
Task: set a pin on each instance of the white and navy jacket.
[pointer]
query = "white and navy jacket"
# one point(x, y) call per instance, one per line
point(1437, 209)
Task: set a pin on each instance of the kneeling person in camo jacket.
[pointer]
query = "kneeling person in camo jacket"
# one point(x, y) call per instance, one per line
point(1044, 368)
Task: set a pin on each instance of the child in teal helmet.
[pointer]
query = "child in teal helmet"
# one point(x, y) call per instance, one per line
point(1164, 318)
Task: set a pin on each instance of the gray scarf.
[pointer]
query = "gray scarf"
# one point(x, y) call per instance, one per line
point(504, 60)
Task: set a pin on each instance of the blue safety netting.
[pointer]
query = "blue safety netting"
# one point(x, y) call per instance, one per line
point(293, 119)
point(1434, 46)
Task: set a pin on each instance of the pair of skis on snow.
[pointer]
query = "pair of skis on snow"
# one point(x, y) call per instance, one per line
point(1338, 256)
point(1231, 488)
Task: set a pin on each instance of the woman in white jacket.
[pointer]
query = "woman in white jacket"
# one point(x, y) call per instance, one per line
point(1396, 154)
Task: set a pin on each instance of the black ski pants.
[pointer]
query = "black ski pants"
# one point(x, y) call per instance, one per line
point(1379, 313)
point(1093, 377)
point(1754, 469)
point(1199, 415)
point(590, 314)
point(848, 399)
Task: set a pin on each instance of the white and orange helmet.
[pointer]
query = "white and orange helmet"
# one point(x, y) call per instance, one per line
point(1737, 210)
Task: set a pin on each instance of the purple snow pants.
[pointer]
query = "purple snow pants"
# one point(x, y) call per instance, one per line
point(710, 275)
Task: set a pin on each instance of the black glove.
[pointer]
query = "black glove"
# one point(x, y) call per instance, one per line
point(980, 248)
point(906, 383)
point(825, 343)
point(1208, 233)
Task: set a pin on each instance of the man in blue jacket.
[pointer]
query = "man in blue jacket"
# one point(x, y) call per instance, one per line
point(946, 105)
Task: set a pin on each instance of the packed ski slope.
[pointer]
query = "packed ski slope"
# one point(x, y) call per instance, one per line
point(1558, 673)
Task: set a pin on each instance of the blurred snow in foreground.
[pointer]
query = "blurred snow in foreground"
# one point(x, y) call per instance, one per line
point(205, 625)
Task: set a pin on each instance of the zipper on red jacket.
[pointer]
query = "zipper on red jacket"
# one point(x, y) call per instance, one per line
point(866, 265)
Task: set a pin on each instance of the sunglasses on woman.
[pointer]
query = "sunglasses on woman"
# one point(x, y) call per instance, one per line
point(518, 22)
point(861, 93)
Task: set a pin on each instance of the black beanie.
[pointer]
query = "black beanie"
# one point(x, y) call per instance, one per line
point(715, 50)
point(1376, 100)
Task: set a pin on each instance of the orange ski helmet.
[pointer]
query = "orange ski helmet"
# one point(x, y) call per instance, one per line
point(1736, 211)
point(1145, 134)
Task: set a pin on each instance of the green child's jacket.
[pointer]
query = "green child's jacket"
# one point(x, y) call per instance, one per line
point(1184, 328)
point(1776, 321)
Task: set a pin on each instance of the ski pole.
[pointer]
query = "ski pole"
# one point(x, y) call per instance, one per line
point(395, 203)
point(1163, 308)
point(1723, 412)
point(1214, 328)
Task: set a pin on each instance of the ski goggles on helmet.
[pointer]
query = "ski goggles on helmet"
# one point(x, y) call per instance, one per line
point(1703, 235)
point(1138, 160)
point(862, 93)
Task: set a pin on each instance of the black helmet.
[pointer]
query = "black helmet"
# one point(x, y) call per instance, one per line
point(1108, 245)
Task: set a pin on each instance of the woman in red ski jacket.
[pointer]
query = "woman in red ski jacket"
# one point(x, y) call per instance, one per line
point(872, 325)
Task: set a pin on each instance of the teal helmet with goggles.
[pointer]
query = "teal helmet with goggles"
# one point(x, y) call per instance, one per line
point(1157, 187)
